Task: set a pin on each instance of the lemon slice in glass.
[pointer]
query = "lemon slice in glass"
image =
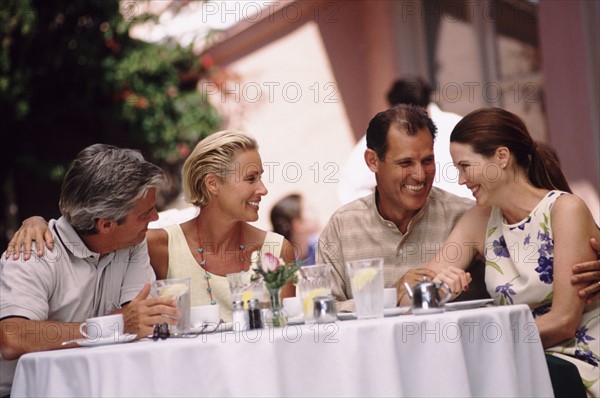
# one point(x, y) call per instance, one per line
point(362, 277)
point(173, 291)
point(247, 295)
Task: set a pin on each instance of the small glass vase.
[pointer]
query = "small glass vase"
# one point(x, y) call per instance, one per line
point(276, 317)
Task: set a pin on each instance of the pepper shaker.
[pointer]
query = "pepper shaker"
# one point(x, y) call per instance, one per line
point(254, 315)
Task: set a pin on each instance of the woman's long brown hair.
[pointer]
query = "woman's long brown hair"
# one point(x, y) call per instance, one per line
point(487, 129)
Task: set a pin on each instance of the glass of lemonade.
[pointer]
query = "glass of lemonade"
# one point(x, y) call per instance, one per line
point(366, 281)
point(178, 289)
point(243, 288)
point(313, 281)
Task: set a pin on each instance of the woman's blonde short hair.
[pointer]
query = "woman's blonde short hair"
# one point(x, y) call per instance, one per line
point(214, 154)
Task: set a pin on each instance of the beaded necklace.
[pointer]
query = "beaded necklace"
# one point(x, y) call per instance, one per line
point(207, 276)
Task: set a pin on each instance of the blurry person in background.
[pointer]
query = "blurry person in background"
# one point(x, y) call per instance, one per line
point(291, 218)
point(356, 180)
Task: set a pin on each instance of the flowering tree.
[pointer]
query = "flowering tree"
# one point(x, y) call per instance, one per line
point(70, 76)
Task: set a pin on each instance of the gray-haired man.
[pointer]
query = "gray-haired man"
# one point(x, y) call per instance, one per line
point(100, 264)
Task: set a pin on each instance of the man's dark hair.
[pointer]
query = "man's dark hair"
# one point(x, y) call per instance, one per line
point(410, 118)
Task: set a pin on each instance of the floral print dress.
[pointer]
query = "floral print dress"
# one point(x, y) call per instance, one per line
point(519, 270)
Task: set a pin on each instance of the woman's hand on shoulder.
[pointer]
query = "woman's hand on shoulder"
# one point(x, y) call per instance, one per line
point(33, 229)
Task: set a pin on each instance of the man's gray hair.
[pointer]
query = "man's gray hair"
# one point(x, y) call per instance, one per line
point(105, 182)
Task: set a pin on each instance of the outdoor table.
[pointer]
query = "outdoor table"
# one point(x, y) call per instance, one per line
point(490, 351)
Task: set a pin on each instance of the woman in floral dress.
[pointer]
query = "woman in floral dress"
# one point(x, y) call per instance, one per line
point(531, 231)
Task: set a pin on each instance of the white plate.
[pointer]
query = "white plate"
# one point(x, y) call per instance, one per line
point(463, 305)
point(124, 338)
point(343, 316)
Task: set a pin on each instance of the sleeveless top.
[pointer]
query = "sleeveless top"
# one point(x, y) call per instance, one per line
point(182, 264)
point(519, 270)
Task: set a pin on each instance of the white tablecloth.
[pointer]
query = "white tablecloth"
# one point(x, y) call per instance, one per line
point(478, 352)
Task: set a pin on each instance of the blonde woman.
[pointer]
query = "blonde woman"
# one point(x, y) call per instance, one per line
point(222, 176)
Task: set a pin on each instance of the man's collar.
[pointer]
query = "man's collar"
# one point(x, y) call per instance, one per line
point(415, 218)
point(72, 241)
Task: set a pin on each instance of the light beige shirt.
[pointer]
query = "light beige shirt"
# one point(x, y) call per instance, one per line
point(357, 231)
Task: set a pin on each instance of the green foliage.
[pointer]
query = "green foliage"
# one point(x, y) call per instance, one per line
point(73, 65)
point(283, 274)
point(16, 22)
point(155, 87)
point(70, 76)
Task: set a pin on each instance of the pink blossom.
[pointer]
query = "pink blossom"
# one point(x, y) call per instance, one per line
point(269, 262)
point(183, 149)
point(141, 103)
point(207, 61)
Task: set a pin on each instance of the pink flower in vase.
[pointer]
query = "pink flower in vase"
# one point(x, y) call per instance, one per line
point(269, 262)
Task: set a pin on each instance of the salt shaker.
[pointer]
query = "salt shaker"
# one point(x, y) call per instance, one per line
point(239, 316)
point(254, 315)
